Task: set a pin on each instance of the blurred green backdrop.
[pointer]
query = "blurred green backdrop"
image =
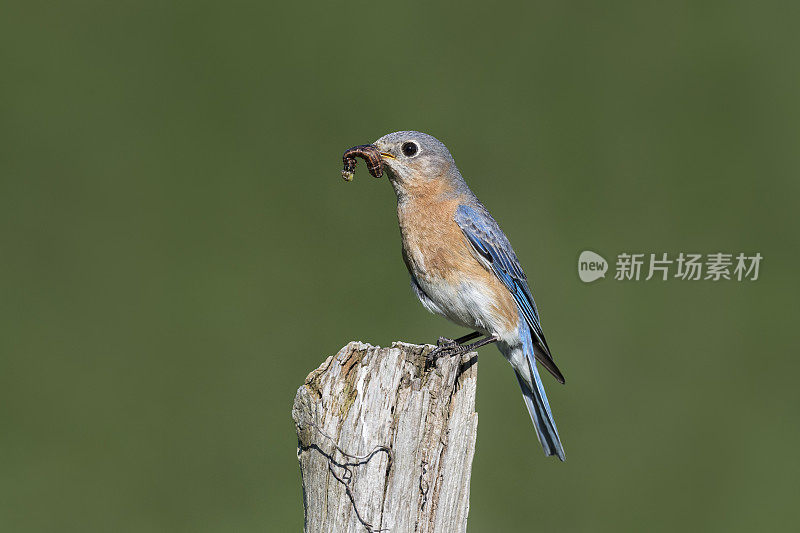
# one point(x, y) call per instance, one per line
point(179, 251)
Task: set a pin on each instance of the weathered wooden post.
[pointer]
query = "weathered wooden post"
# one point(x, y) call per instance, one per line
point(385, 444)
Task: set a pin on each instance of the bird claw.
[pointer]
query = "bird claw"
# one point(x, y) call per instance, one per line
point(445, 348)
point(444, 341)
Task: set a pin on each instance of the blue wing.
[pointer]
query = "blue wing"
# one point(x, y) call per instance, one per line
point(491, 244)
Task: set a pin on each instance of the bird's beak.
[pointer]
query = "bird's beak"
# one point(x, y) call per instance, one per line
point(387, 155)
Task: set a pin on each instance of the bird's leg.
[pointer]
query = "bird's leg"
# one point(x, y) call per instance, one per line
point(468, 337)
point(456, 348)
point(483, 342)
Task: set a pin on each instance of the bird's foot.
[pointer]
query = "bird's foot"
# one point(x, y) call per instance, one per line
point(445, 348)
point(444, 341)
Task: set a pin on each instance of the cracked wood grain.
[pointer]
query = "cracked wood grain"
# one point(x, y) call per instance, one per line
point(385, 444)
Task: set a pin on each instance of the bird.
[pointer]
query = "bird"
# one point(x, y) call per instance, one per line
point(462, 266)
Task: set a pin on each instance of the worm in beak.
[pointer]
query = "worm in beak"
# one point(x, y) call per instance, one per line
point(369, 153)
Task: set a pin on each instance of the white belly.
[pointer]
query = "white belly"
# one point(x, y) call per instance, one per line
point(467, 303)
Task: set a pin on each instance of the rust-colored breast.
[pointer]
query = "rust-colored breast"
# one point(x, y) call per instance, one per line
point(433, 244)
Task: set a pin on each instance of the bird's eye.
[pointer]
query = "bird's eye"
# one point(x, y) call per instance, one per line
point(410, 149)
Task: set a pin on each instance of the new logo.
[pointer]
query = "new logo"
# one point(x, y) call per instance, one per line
point(591, 266)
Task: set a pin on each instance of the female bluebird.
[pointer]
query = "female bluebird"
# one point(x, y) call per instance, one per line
point(463, 267)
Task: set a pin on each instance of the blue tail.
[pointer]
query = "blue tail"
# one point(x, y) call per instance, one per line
point(538, 407)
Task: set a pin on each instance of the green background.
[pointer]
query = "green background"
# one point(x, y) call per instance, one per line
point(178, 251)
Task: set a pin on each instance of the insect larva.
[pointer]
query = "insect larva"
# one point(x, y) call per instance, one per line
point(369, 153)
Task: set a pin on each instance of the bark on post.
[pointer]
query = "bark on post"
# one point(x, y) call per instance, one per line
point(384, 444)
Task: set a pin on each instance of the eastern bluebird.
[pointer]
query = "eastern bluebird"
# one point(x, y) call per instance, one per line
point(463, 267)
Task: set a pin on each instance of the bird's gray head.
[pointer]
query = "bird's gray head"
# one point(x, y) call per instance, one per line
point(414, 159)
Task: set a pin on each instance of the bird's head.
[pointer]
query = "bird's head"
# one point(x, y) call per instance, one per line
point(413, 159)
